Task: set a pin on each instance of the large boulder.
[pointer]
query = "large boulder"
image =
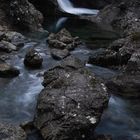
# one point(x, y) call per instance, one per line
point(71, 103)
point(25, 16)
point(11, 132)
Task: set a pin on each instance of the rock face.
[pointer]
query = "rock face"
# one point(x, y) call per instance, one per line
point(10, 132)
point(33, 59)
point(25, 15)
point(7, 71)
point(71, 104)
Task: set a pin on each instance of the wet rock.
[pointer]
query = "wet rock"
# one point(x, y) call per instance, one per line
point(33, 59)
point(118, 54)
point(7, 47)
point(25, 16)
point(71, 103)
point(15, 38)
point(59, 54)
point(10, 132)
point(62, 40)
point(8, 71)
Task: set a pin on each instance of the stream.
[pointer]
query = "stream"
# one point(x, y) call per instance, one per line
point(18, 95)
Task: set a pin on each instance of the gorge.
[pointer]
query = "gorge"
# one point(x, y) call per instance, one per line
point(69, 70)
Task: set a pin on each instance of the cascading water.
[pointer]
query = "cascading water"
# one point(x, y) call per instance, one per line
point(68, 7)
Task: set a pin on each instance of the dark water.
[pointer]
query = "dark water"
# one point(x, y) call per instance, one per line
point(18, 95)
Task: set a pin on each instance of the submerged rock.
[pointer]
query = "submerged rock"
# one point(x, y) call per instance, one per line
point(71, 103)
point(8, 71)
point(33, 59)
point(11, 132)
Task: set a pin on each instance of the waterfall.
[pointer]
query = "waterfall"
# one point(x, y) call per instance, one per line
point(68, 7)
point(60, 22)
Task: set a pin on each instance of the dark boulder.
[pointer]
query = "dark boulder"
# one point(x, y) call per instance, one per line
point(25, 16)
point(8, 71)
point(11, 132)
point(33, 59)
point(71, 103)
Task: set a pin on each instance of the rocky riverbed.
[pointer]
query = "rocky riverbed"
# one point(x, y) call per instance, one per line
point(77, 81)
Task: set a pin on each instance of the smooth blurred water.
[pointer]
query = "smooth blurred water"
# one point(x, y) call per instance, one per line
point(18, 96)
point(68, 7)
